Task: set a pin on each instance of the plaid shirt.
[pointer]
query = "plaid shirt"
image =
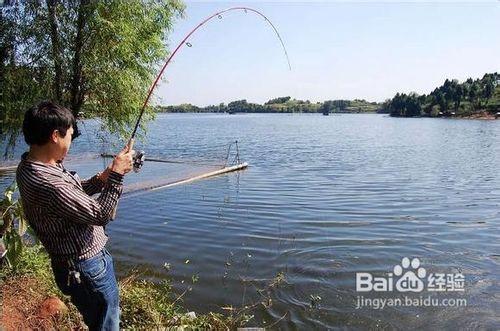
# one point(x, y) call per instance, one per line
point(58, 206)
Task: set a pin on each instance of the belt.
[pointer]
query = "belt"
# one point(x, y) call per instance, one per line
point(70, 262)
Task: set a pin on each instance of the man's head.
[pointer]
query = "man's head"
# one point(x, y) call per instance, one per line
point(50, 126)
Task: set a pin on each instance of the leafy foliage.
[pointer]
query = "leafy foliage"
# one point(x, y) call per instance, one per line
point(405, 105)
point(452, 98)
point(13, 226)
point(95, 57)
point(278, 100)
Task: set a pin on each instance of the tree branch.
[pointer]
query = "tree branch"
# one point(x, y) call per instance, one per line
point(56, 48)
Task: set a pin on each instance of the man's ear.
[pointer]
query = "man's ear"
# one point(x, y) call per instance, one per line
point(55, 136)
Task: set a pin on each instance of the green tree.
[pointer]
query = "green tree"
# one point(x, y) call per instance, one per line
point(474, 94)
point(326, 107)
point(467, 85)
point(95, 57)
point(278, 100)
point(412, 104)
point(238, 106)
point(457, 94)
point(448, 94)
point(403, 105)
point(488, 86)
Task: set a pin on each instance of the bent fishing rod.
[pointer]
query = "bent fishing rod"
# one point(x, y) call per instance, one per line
point(140, 157)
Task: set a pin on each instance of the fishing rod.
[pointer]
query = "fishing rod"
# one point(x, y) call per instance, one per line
point(140, 157)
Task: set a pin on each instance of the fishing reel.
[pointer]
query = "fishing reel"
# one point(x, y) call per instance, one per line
point(139, 159)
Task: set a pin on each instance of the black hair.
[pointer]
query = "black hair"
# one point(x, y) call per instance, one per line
point(41, 120)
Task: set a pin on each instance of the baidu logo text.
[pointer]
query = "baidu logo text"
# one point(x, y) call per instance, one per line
point(409, 276)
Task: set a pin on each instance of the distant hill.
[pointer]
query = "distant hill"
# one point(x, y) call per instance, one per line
point(471, 98)
point(279, 105)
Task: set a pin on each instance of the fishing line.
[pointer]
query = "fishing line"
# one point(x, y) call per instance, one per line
point(224, 161)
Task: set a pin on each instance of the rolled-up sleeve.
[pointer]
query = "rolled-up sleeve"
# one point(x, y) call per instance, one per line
point(77, 206)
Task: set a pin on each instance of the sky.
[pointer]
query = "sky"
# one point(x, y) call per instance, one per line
point(338, 50)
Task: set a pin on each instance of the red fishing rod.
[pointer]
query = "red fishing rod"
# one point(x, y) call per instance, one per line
point(140, 156)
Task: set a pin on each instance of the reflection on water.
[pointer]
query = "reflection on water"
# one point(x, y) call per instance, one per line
point(323, 198)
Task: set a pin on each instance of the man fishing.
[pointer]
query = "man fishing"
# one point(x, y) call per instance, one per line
point(66, 219)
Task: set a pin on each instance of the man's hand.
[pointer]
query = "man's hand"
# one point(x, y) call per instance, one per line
point(123, 162)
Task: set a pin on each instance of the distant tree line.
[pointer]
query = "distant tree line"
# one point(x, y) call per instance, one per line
point(450, 99)
point(278, 105)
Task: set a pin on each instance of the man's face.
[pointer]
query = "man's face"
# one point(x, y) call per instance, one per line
point(63, 143)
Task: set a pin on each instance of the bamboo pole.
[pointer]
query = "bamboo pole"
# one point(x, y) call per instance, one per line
point(237, 167)
point(14, 167)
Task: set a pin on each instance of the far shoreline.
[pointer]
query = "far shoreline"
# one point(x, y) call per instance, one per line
point(477, 116)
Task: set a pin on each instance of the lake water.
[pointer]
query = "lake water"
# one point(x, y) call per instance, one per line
point(324, 198)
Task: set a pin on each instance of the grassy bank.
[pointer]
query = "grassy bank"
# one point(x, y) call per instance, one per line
point(144, 305)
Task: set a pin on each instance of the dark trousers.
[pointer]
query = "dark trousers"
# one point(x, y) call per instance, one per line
point(96, 296)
